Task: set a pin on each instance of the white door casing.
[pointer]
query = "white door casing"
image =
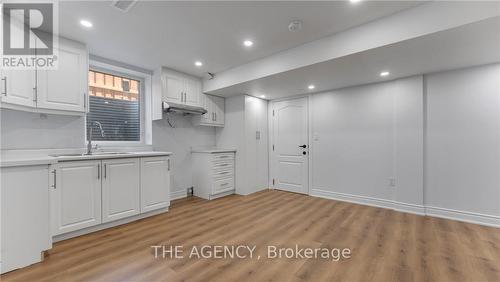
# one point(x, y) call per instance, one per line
point(290, 132)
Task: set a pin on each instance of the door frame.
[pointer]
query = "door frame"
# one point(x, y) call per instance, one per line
point(272, 171)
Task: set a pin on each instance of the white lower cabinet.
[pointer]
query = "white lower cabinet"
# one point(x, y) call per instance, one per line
point(25, 232)
point(155, 180)
point(75, 195)
point(213, 174)
point(88, 193)
point(120, 189)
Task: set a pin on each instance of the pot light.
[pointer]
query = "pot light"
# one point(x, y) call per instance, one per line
point(86, 23)
point(198, 63)
point(384, 73)
point(311, 87)
point(354, 1)
point(262, 96)
point(247, 43)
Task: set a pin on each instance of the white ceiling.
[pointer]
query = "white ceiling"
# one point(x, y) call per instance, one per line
point(473, 44)
point(175, 34)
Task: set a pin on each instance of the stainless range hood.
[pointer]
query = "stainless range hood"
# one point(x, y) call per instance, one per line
point(182, 109)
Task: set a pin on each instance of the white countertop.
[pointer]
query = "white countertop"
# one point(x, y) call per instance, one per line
point(212, 150)
point(27, 160)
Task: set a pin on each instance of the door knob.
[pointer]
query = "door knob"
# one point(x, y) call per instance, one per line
point(303, 146)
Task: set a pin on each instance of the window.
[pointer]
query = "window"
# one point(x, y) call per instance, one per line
point(114, 103)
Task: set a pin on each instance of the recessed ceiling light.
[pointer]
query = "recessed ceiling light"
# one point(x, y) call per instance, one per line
point(262, 96)
point(247, 43)
point(354, 1)
point(311, 86)
point(86, 23)
point(198, 63)
point(384, 73)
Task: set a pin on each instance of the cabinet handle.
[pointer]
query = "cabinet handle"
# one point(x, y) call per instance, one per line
point(215, 116)
point(105, 170)
point(168, 164)
point(98, 171)
point(54, 185)
point(4, 86)
point(34, 94)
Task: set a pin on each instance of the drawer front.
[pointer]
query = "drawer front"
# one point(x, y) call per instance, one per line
point(223, 174)
point(223, 165)
point(223, 185)
point(222, 157)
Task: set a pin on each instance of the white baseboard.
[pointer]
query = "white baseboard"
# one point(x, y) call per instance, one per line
point(470, 217)
point(178, 195)
point(369, 201)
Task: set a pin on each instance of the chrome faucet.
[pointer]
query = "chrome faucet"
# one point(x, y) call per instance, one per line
point(90, 133)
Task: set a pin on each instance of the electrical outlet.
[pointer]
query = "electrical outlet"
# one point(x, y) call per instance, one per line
point(392, 182)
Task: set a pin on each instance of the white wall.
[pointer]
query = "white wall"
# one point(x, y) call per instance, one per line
point(437, 135)
point(363, 137)
point(179, 140)
point(24, 130)
point(463, 141)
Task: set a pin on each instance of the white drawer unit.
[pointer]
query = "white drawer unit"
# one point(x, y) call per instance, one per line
point(213, 174)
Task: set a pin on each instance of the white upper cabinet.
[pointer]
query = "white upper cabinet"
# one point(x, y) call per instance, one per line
point(215, 111)
point(192, 91)
point(65, 88)
point(18, 87)
point(174, 87)
point(218, 103)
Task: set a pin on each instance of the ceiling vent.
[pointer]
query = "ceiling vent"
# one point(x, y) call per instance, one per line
point(123, 5)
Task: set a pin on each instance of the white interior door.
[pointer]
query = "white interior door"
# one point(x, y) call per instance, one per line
point(290, 154)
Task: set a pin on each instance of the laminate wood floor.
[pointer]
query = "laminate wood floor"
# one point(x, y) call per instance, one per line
point(385, 245)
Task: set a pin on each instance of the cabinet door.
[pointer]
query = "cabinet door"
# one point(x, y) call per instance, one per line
point(18, 87)
point(66, 87)
point(219, 110)
point(75, 196)
point(155, 183)
point(206, 103)
point(120, 188)
point(192, 92)
point(174, 88)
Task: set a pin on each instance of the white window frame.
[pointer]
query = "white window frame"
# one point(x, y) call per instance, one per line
point(144, 103)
